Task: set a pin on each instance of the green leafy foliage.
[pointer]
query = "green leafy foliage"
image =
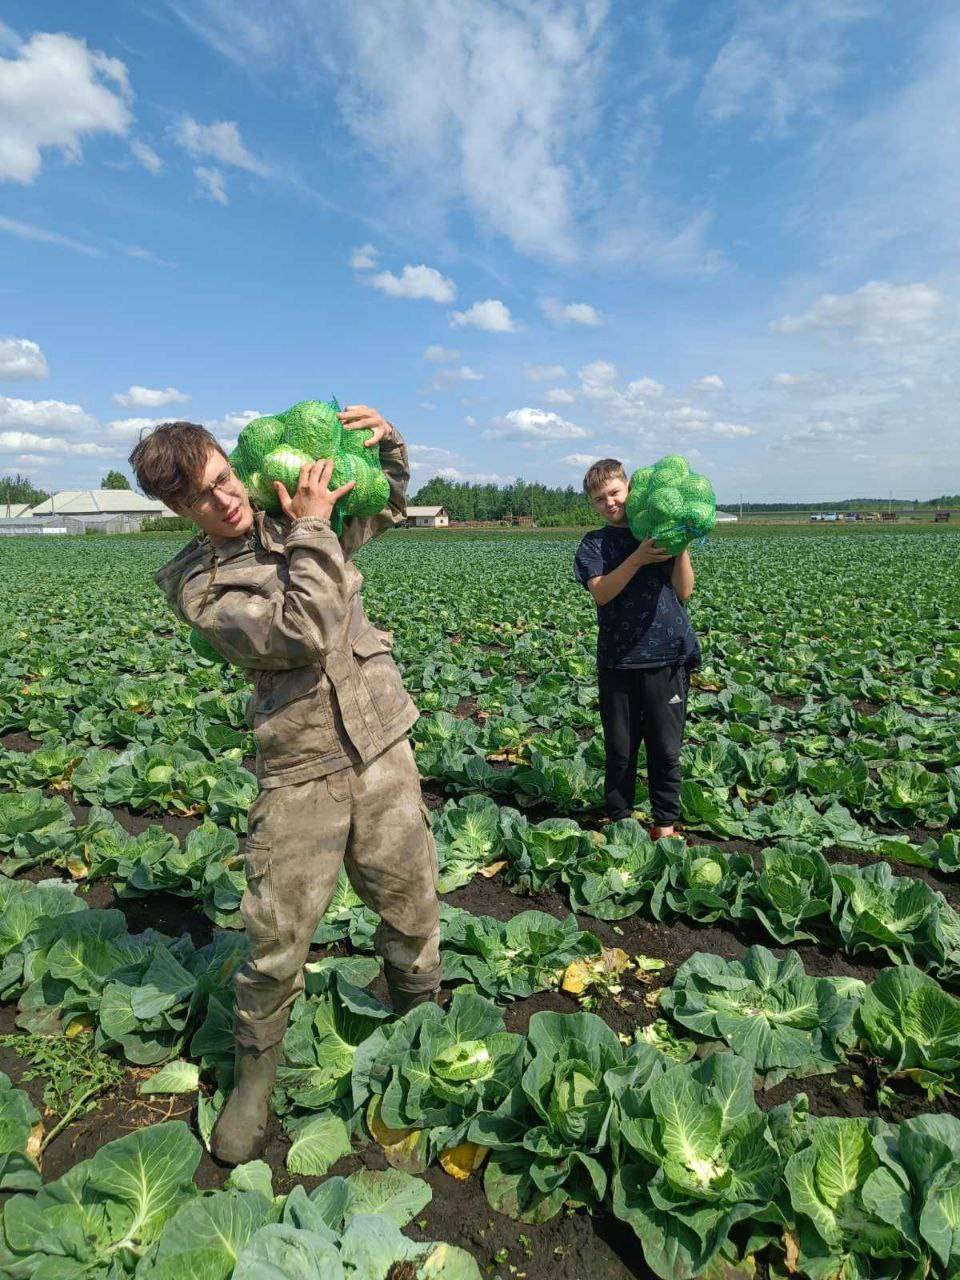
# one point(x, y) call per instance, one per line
point(767, 1011)
point(431, 1073)
point(549, 1134)
point(694, 1159)
point(509, 960)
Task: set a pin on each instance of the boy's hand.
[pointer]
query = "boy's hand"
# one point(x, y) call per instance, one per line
point(649, 553)
point(314, 497)
point(355, 416)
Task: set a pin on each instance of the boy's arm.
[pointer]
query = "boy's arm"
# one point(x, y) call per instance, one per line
point(609, 585)
point(393, 459)
point(682, 578)
point(293, 625)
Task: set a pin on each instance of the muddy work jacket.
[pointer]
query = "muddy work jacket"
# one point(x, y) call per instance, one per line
point(283, 602)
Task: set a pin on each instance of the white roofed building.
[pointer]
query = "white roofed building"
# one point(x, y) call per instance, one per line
point(427, 517)
point(97, 503)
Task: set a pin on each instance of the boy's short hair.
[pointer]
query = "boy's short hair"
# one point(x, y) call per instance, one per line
point(169, 462)
point(600, 472)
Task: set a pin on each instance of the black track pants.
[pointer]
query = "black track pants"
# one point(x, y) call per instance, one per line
point(647, 705)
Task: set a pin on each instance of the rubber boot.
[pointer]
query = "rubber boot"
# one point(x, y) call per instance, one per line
point(241, 1126)
point(409, 989)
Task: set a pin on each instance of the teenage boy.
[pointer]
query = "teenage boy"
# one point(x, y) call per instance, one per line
point(645, 650)
point(330, 716)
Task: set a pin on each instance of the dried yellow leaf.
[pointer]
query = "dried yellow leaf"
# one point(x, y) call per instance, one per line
point(463, 1160)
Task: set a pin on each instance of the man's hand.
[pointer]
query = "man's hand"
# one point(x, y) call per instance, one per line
point(355, 416)
point(314, 497)
point(649, 553)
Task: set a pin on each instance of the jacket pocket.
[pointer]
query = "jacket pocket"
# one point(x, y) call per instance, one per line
point(379, 673)
point(292, 718)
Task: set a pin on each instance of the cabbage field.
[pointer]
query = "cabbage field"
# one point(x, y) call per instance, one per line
point(730, 1053)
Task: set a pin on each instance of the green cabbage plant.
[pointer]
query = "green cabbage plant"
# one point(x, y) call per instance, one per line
point(693, 1158)
point(767, 1011)
point(549, 1136)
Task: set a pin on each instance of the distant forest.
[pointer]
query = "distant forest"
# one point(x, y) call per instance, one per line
point(465, 501)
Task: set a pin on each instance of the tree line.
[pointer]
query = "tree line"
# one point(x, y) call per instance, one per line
point(17, 490)
point(463, 500)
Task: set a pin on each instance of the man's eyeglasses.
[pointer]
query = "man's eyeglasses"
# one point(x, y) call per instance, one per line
point(203, 498)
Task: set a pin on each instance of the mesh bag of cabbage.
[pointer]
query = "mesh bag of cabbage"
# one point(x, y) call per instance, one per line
point(277, 447)
point(671, 504)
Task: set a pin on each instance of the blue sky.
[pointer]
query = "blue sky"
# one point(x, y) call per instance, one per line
point(531, 234)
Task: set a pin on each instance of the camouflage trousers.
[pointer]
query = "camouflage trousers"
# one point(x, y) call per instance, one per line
point(372, 819)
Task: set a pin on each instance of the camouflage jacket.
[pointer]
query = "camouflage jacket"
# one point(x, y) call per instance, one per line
point(283, 602)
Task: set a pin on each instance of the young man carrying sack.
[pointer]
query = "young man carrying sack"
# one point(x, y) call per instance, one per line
point(338, 781)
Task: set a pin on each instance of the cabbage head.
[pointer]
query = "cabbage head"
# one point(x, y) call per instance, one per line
point(276, 448)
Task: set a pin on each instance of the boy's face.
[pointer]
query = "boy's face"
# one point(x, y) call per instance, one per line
point(219, 503)
point(609, 500)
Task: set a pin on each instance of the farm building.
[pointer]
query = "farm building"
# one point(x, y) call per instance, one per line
point(427, 517)
point(726, 517)
point(110, 510)
point(17, 527)
point(9, 510)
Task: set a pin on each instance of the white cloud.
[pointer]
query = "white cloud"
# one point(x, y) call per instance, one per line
point(428, 455)
point(364, 258)
point(560, 395)
point(597, 379)
point(416, 282)
point(878, 312)
point(27, 231)
point(21, 359)
point(639, 388)
point(787, 379)
point(44, 415)
point(781, 63)
point(220, 142)
point(29, 442)
point(428, 106)
point(231, 424)
point(731, 430)
point(436, 354)
point(54, 93)
point(443, 379)
point(560, 313)
point(211, 184)
point(534, 426)
point(524, 118)
point(146, 156)
point(491, 315)
point(579, 459)
point(133, 426)
point(150, 397)
point(710, 382)
point(137, 252)
point(544, 372)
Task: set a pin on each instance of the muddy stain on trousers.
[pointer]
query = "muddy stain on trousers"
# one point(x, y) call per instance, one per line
point(370, 817)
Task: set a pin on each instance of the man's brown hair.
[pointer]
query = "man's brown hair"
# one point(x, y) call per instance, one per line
point(600, 472)
point(169, 462)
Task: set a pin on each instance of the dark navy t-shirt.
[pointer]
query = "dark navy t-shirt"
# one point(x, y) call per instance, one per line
point(645, 625)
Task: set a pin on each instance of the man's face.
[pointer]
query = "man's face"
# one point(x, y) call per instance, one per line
point(219, 503)
point(609, 500)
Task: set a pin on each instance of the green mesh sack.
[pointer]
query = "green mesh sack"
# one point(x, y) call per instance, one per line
point(671, 504)
point(275, 448)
